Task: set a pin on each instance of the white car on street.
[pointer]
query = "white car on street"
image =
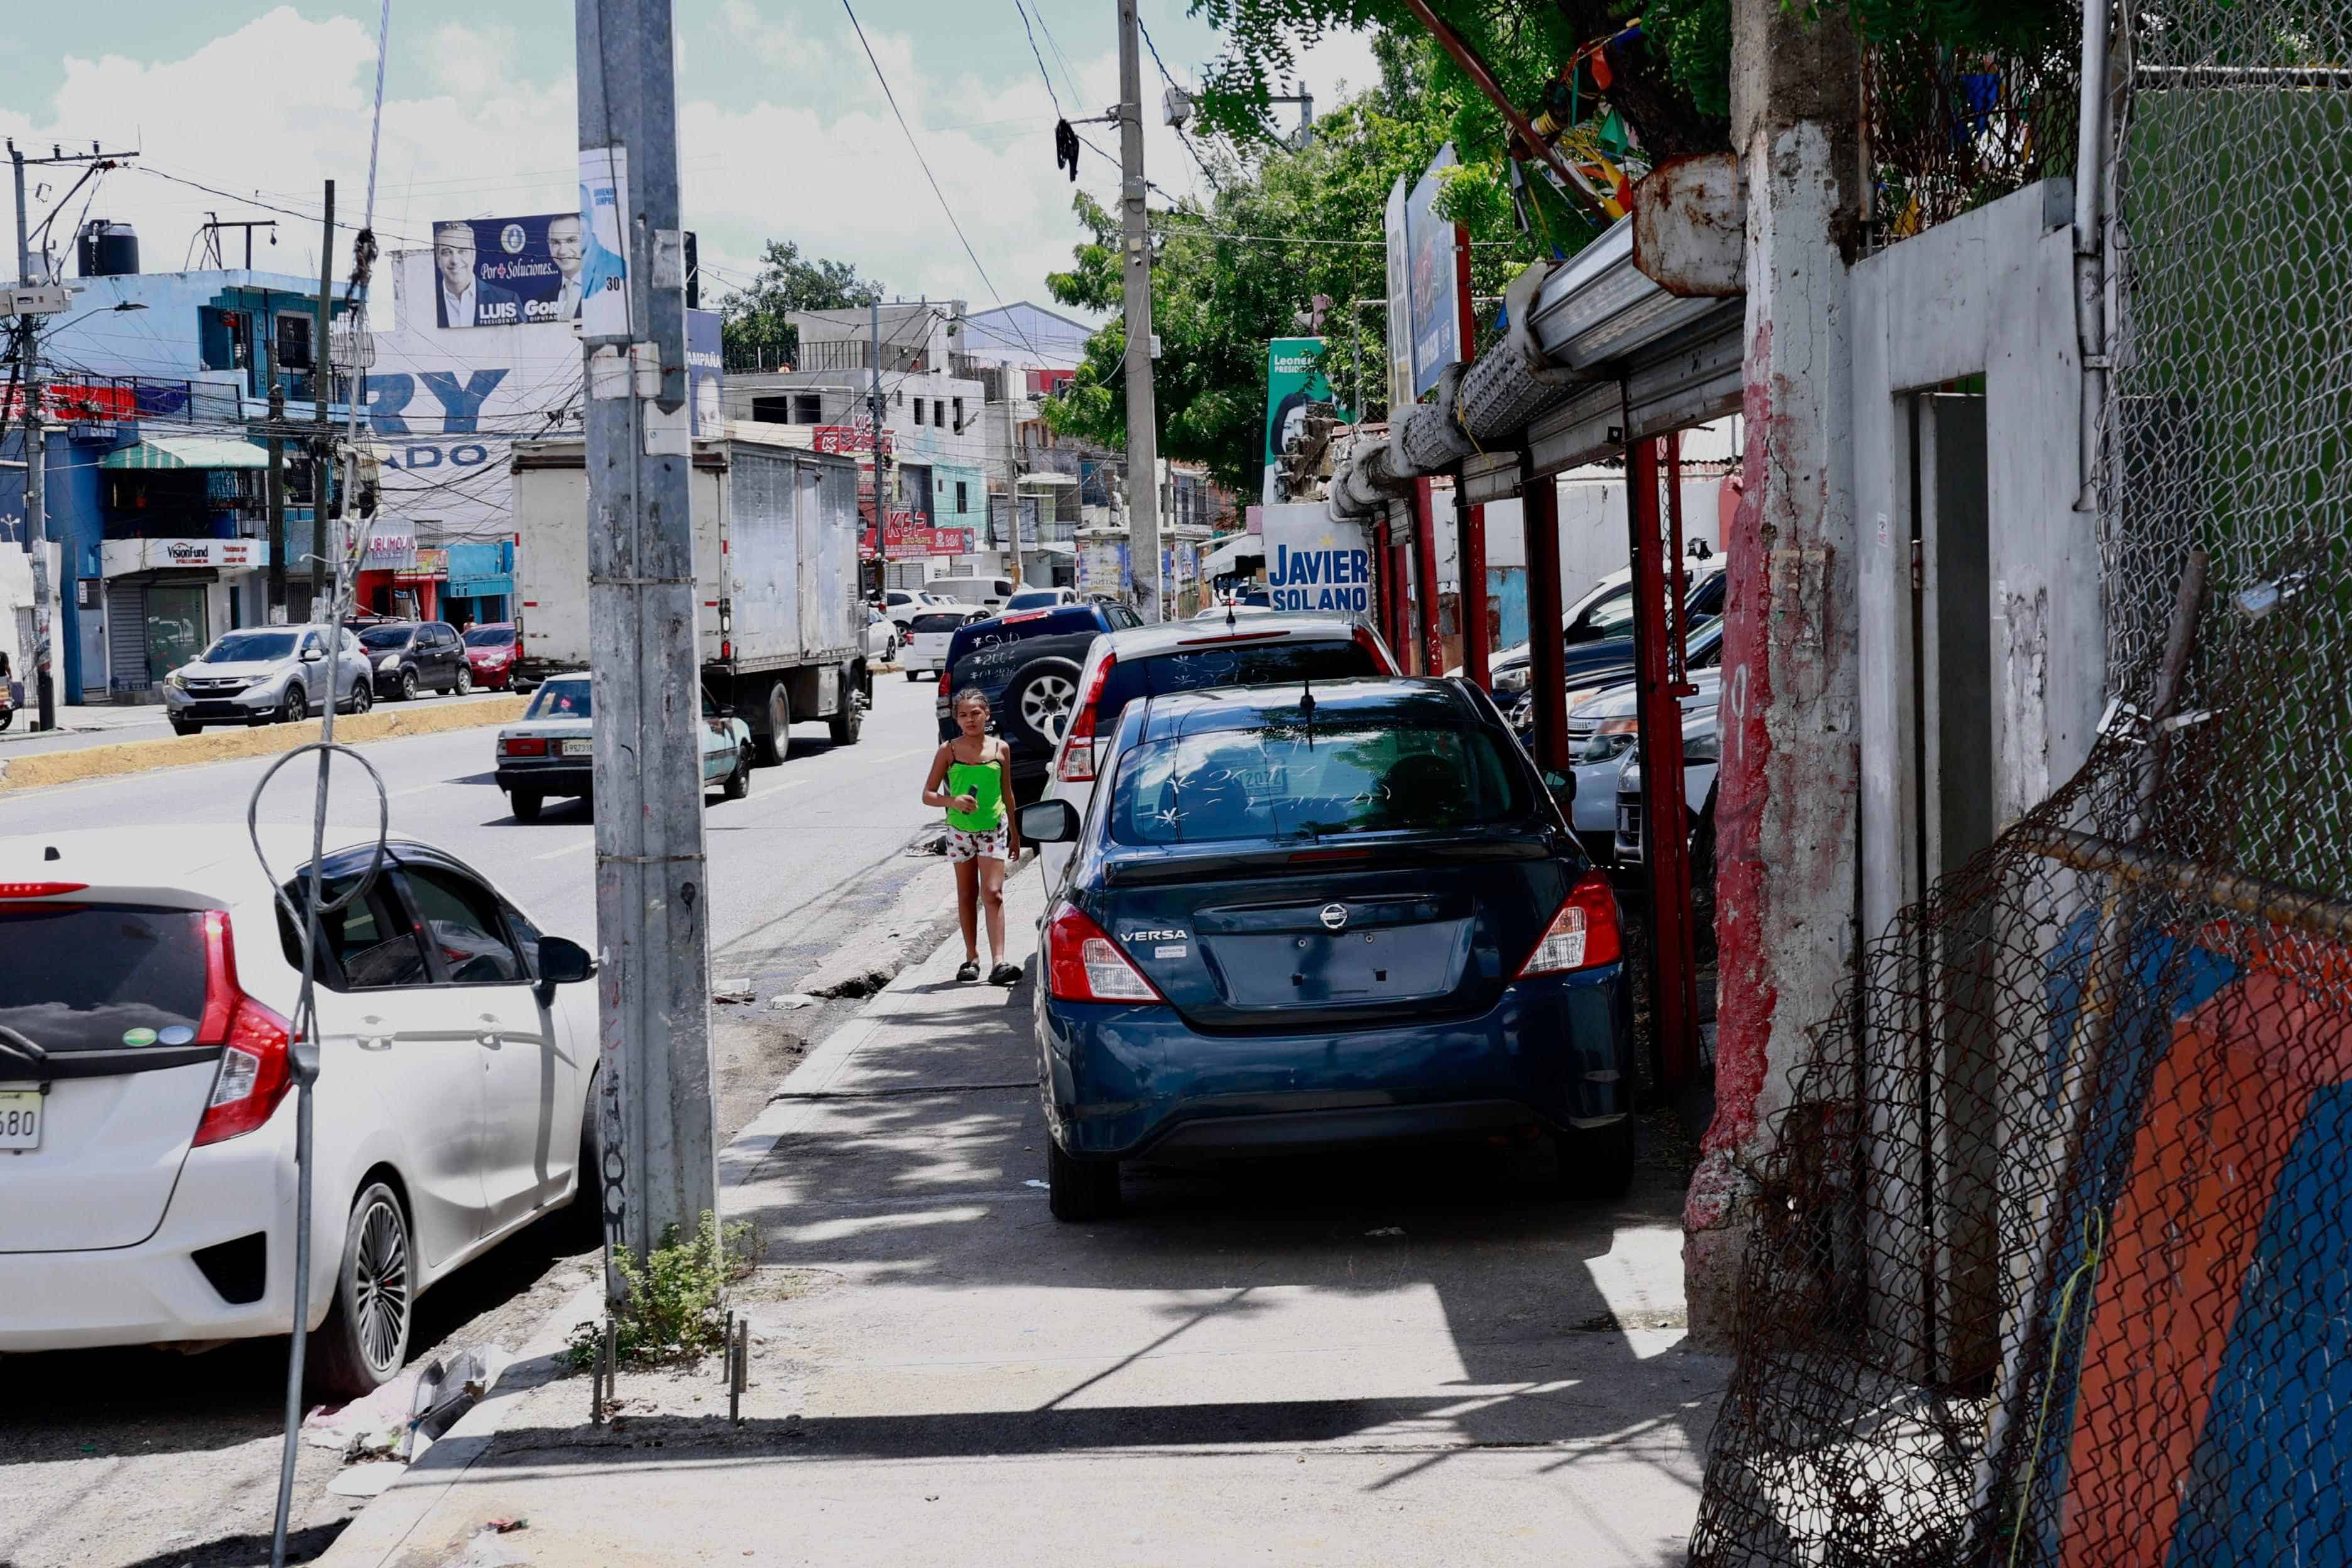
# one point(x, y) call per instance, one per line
point(928, 635)
point(1273, 649)
point(147, 1107)
point(903, 604)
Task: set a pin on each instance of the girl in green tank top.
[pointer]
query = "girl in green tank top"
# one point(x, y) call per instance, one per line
point(972, 781)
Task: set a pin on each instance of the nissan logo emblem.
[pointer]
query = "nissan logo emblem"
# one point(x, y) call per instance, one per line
point(1335, 916)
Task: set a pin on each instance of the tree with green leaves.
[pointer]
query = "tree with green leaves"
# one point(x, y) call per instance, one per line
point(1282, 227)
point(755, 321)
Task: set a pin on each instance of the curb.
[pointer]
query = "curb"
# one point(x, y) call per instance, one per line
point(49, 768)
point(378, 1531)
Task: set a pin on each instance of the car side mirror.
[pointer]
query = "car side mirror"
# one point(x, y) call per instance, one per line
point(562, 961)
point(313, 654)
point(1562, 787)
point(1049, 822)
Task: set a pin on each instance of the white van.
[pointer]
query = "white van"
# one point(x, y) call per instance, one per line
point(988, 592)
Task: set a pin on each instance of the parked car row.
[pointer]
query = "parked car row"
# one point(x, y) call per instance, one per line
point(263, 675)
point(1297, 902)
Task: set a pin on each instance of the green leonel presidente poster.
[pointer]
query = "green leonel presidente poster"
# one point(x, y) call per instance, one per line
point(1294, 382)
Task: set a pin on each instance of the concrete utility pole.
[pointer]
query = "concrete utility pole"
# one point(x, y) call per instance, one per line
point(277, 490)
point(35, 447)
point(322, 468)
point(660, 1163)
point(1142, 412)
point(873, 324)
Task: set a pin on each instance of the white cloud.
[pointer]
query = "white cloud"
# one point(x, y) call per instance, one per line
point(818, 158)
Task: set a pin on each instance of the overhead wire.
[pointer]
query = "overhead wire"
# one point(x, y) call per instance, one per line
point(1205, 172)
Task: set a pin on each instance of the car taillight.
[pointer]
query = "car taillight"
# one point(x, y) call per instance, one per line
point(943, 685)
point(256, 1065)
point(39, 890)
point(523, 747)
point(1077, 763)
point(1083, 965)
point(1371, 643)
point(1583, 935)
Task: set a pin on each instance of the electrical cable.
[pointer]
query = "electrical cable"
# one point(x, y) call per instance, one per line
point(1164, 76)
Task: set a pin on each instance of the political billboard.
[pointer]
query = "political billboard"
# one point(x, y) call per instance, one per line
point(1295, 381)
point(509, 271)
point(1436, 309)
point(1400, 314)
point(1313, 563)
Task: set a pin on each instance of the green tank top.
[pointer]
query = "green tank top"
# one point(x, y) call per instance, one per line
point(984, 782)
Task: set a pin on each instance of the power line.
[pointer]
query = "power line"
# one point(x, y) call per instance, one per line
point(916, 147)
point(1172, 82)
point(1055, 44)
point(1026, 27)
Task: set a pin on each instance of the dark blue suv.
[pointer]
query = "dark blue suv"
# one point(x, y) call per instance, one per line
point(1027, 664)
point(1306, 917)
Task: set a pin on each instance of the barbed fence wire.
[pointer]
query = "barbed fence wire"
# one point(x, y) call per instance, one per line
point(2052, 1250)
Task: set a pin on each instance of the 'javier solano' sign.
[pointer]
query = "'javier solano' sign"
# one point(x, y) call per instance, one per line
point(1316, 563)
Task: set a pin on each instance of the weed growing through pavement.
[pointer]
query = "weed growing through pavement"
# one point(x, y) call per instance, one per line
point(672, 1311)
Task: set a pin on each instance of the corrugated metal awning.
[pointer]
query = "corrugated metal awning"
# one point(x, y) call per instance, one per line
point(188, 452)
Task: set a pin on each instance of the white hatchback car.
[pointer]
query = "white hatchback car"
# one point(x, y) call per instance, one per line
point(147, 977)
point(1270, 649)
point(928, 635)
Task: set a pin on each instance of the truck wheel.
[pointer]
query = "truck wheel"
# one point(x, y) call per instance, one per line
point(777, 742)
point(847, 724)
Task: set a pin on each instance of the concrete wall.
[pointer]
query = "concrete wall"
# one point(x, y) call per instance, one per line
point(1989, 294)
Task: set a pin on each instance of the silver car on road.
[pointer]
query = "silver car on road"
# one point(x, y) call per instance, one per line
point(269, 674)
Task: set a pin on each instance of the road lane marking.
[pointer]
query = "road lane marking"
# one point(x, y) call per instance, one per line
point(567, 849)
point(778, 789)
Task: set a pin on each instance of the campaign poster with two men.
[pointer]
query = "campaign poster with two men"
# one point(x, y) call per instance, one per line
point(516, 272)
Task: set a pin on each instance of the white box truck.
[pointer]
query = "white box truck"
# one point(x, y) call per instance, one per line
point(775, 566)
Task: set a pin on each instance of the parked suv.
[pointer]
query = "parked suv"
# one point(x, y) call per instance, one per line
point(1027, 665)
point(268, 674)
point(407, 655)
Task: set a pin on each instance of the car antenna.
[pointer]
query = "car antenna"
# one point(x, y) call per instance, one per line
point(1306, 707)
point(1230, 622)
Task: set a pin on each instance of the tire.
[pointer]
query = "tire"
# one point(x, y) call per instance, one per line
point(1079, 1190)
point(913, 676)
point(525, 804)
point(464, 687)
point(179, 727)
point(1595, 1162)
point(777, 742)
point(7, 717)
point(362, 696)
point(295, 709)
point(407, 689)
point(847, 724)
point(1041, 701)
point(739, 783)
point(587, 1215)
point(365, 1340)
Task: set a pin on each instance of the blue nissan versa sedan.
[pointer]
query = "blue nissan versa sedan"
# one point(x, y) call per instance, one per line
point(1301, 918)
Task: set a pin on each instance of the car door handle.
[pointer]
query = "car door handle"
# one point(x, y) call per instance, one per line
point(490, 1036)
point(373, 1042)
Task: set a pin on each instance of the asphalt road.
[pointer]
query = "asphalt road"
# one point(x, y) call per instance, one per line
point(155, 1460)
point(97, 724)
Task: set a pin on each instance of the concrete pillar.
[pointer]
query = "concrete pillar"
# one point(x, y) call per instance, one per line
point(1786, 808)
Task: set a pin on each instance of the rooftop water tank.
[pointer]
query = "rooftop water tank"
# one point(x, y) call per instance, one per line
point(107, 248)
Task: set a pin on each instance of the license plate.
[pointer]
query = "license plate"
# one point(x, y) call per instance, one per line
point(579, 748)
point(20, 1118)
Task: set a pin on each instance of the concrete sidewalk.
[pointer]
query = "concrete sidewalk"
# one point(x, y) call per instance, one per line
point(1413, 1359)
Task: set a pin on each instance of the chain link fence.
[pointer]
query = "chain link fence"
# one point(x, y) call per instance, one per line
point(2052, 1253)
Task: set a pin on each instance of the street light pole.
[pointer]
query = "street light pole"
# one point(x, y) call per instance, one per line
point(660, 1159)
point(1142, 413)
point(37, 543)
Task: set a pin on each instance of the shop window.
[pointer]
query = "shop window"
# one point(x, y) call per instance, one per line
point(294, 342)
point(918, 411)
point(959, 414)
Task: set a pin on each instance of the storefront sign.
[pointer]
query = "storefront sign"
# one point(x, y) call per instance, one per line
point(389, 547)
point(847, 439)
point(1314, 563)
point(121, 557)
point(430, 564)
point(902, 538)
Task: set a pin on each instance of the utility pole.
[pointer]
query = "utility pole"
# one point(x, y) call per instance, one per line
point(1142, 412)
point(277, 490)
point(35, 447)
point(322, 467)
point(660, 1160)
point(874, 325)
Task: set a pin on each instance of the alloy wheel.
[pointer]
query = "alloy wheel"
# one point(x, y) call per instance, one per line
point(380, 1294)
point(1046, 704)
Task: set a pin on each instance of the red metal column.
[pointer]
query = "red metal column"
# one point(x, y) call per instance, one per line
point(1424, 547)
point(1658, 675)
point(1383, 587)
point(1547, 659)
point(1470, 522)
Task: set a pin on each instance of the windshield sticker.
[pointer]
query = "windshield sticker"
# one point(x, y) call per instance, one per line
point(138, 1037)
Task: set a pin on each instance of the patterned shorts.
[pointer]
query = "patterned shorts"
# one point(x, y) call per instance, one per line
point(993, 845)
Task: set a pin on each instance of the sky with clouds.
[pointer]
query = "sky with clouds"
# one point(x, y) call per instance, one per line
point(784, 131)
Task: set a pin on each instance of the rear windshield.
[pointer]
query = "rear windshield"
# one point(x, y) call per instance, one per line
point(1020, 626)
point(98, 977)
point(1030, 600)
point(1238, 664)
point(561, 700)
point(489, 637)
point(251, 647)
point(386, 637)
point(1301, 780)
point(939, 621)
